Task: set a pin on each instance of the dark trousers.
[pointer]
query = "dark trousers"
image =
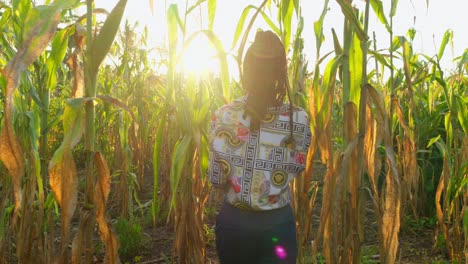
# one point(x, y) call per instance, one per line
point(244, 237)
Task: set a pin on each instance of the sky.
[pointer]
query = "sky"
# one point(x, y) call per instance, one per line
point(430, 19)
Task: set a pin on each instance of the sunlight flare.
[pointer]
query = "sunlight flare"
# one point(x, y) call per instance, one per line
point(199, 57)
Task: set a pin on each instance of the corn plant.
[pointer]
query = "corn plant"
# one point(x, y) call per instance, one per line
point(343, 203)
point(62, 168)
point(34, 27)
point(184, 121)
point(451, 193)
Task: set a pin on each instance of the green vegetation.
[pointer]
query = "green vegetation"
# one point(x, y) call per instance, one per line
point(97, 144)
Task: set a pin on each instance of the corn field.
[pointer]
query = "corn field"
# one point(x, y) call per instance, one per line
point(98, 145)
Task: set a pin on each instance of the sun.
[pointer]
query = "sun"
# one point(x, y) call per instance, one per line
point(199, 57)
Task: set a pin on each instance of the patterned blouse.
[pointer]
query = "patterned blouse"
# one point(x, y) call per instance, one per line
point(254, 168)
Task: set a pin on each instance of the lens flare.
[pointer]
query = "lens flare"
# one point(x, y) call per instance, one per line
point(280, 252)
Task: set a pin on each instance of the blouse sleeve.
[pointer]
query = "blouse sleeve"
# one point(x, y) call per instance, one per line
point(215, 174)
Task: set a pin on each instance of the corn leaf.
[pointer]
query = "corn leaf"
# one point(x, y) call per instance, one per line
point(287, 14)
point(380, 58)
point(101, 193)
point(221, 54)
point(191, 8)
point(377, 6)
point(59, 49)
point(103, 41)
point(151, 4)
point(447, 37)
point(64, 184)
point(318, 27)
point(241, 22)
point(393, 8)
point(11, 154)
point(39, 28)
point(211, 13)
point(355, 66)
point(462, 113)
point(348, 11)
point(179, 159)
point(157, 164)
point(172, 18)
point(116, 102)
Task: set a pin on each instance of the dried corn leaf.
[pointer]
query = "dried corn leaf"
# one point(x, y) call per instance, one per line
point(104, 180)
point(11, 154)
point(374, 137)
point(391, 212)
point(391, 197)
point(77, 244)
point(101, 193)
point(62, 169)
point(64, 180)
point(64, 184)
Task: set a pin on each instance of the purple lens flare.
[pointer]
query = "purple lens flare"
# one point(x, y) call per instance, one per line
point(280, 252)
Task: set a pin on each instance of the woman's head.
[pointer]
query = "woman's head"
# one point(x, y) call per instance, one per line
point(264, 75)
point(265, 68)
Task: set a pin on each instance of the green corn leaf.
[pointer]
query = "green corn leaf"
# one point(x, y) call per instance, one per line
point(156, 165)
point(336, 43)
point(319, 37)
point(328, 77)
point(462, 113)
point(270, 22)
point(103, 41)
point(73, 121)
point(211, 13)
point(36, 98)
point(349, 13)
point(172, 20)
point(396, 43)
point(432, 141)
point(406, 57)
point(116, 102)
point(447, 37)
point(34, 128)
point(287, 14)
point(59, 50)
point(377, 6)
point(241, 22)
point(411, 33)
point(221, 54)
point(191, 8)
point(355, 66)
point(6, 16)
point(179, 160)
point(380, 58)
point(54, 122)
point(318, 27)
point(50, 200)
point(393, 9)
point(448, 126)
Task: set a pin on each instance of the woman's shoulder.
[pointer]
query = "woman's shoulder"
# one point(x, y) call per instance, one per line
point(296, 110)
point(235, 105)
point(230, 112)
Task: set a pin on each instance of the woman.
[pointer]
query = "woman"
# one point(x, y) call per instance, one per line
point(258, 144)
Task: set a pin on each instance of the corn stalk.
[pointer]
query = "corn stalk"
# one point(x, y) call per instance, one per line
point(451, 193)
point(184, 130)
point(62, 168)
point(35, 27)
